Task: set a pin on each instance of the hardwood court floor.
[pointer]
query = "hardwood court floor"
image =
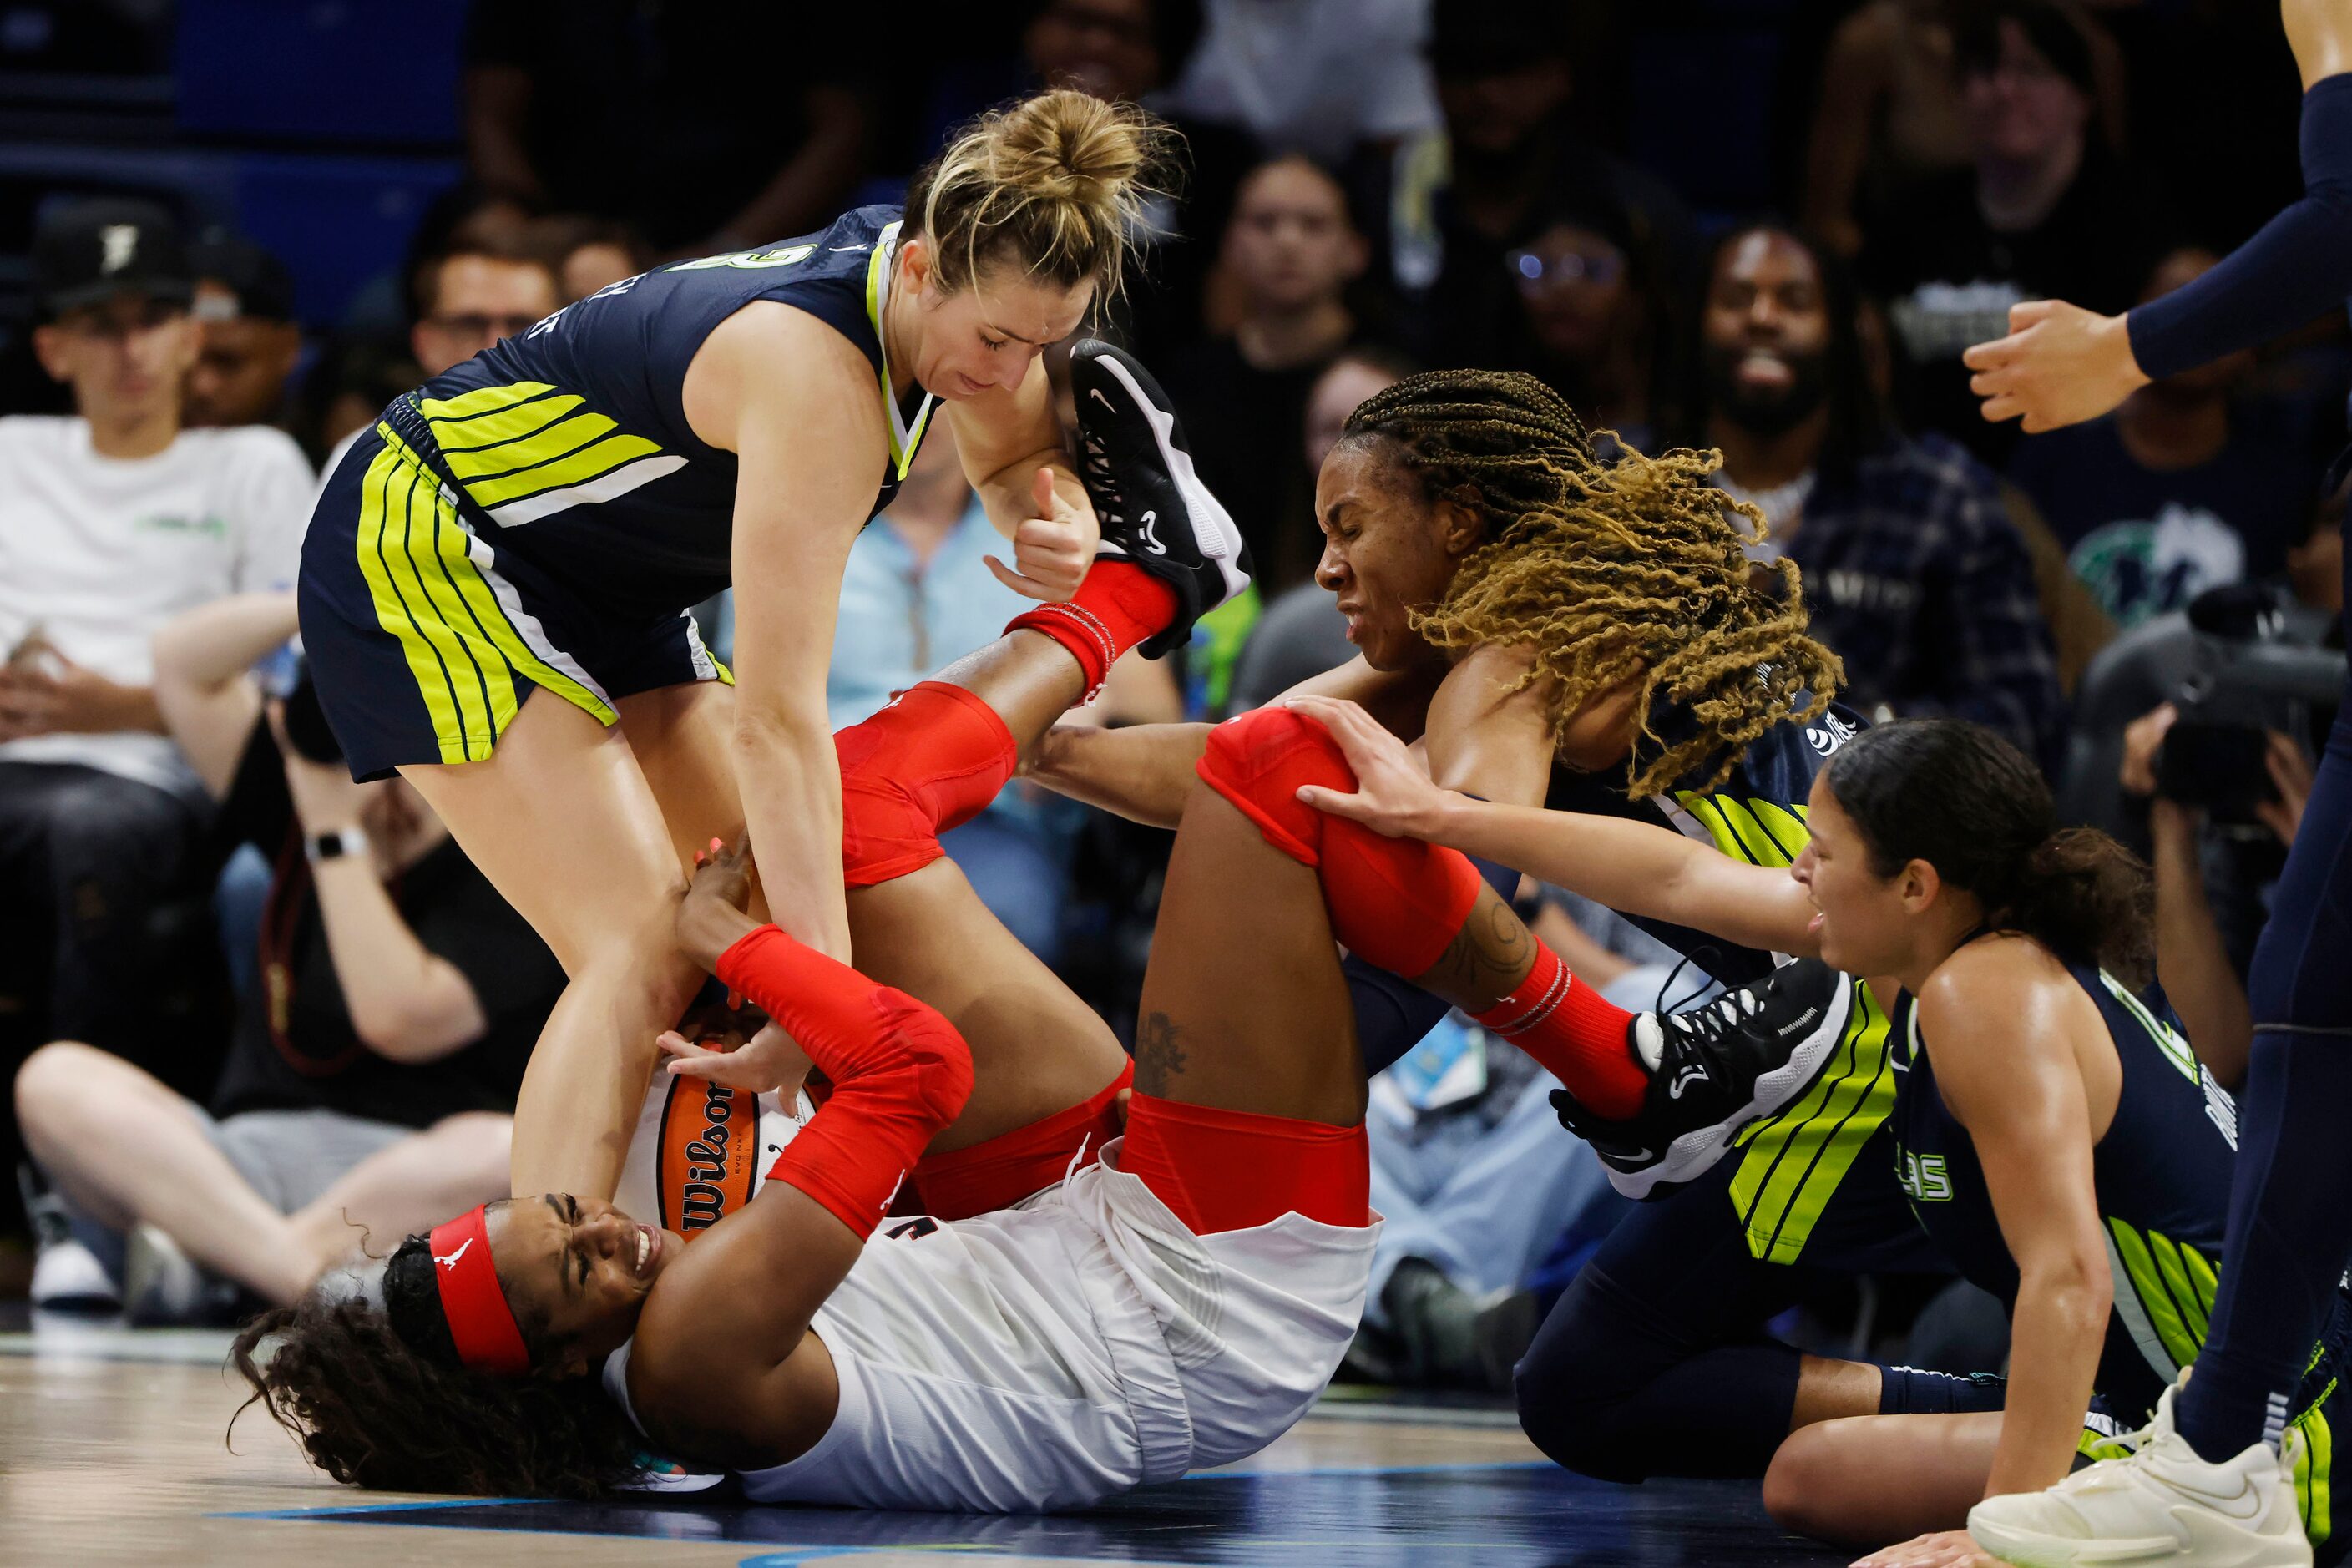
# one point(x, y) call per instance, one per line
point(112, 1452)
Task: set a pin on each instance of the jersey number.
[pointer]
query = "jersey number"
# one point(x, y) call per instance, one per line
point(1924, 1179)
point(751, 258)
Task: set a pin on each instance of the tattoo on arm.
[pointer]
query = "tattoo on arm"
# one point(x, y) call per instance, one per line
point(1490, 955)
point(1158, 1057)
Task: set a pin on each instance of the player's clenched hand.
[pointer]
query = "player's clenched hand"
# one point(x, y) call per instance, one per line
point(1393, 795)
point(1052, 549)
point(1945, 1549)
point(2060, 365)
point(769, 1059)
point(711, 918)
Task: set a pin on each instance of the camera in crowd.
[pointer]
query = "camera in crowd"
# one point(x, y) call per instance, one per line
point(2259, 664)
point(286, 675)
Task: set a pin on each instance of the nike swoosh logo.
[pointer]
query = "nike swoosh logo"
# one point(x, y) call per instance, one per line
point(2245, 1503)
point(1151, 539)
point(1097, 393)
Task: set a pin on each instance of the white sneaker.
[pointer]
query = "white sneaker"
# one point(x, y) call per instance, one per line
point(67, 1276)
point(2163, 1505)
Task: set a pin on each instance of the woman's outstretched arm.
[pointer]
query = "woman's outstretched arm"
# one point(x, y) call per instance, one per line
point(1629, 866)
point(2061, 364)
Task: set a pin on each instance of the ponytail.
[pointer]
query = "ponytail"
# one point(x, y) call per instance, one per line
point(1056, 185)
point(1967, 803)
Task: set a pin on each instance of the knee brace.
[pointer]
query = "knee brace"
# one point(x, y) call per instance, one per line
point(931, 760)
point(1397, 901)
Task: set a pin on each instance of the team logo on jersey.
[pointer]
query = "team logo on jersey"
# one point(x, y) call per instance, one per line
point(1829, 734)
point(709, 1140)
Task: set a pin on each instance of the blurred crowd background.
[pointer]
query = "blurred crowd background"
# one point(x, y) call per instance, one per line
point(1768, 226)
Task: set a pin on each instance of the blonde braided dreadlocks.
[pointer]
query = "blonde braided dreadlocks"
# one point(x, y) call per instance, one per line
point(1628, 571)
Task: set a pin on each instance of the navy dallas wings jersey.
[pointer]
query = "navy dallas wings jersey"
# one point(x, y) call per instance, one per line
point(1791, 1166)
point(542, 515)
point(571, 440)
point(2162, 1174)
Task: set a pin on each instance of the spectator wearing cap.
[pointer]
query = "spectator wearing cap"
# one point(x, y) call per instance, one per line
point(2042, 209)
point(1510, 162)
point(112, 519)
point(250, 343)
point(1291, 252)
point(1913, 572)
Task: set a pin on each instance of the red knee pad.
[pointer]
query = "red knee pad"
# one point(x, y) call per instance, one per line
point(1398, 902)
point(1260, 759)
point(930, 760)
point(1236, 1170)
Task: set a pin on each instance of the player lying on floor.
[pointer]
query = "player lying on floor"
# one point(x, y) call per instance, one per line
point(2059, 1139)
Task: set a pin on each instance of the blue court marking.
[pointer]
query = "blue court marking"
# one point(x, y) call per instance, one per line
point(1514, 1515)
point(346, 1510)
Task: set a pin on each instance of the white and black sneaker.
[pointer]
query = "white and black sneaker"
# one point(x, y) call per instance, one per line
point(1713, 1070)
point(1153, 509)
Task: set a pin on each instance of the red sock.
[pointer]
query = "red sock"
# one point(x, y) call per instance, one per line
point(1579, 1036)
point(1400, 903)
point(1116, 606)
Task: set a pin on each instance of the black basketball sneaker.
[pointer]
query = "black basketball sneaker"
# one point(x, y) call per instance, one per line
point(1153, 508)
point(1713, 1070)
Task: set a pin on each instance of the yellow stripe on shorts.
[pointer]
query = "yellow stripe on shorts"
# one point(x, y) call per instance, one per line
point(1794, 1160)
point(462, 647)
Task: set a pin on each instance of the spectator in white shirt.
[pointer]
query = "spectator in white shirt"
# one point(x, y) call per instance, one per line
point(111, 521)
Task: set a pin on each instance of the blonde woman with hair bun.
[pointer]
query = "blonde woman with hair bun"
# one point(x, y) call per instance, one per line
point(495, 581)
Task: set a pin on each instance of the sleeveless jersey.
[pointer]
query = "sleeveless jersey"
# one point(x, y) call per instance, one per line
point(1067, 1349)
point(568, 444)
point(2162, 1175)
point(1755, 814)
point(1793, 1163)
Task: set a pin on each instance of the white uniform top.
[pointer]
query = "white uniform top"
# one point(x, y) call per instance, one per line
point(96, 552)
point(1061, 1353)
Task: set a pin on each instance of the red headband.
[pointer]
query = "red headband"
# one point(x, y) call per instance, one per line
point(481, 1324)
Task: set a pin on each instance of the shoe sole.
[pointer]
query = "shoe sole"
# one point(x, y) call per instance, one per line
point(1223, 542)
point(1694, 1154)
point(2031, 1549)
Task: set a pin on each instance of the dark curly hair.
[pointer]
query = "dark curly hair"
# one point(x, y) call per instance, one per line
point(1630, 570)
point(1959, 797)
point(377, 1398)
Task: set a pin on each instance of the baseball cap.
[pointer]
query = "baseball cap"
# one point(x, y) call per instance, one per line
point(94, 249)
point(263, 288)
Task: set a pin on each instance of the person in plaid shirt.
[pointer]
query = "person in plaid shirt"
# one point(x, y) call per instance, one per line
point(1915, 576)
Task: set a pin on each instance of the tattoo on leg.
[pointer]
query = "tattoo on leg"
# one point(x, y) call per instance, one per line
point(1158, 1058)
point(1491, 954)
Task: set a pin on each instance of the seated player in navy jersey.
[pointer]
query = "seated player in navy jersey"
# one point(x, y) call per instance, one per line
point(2058, 1140)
